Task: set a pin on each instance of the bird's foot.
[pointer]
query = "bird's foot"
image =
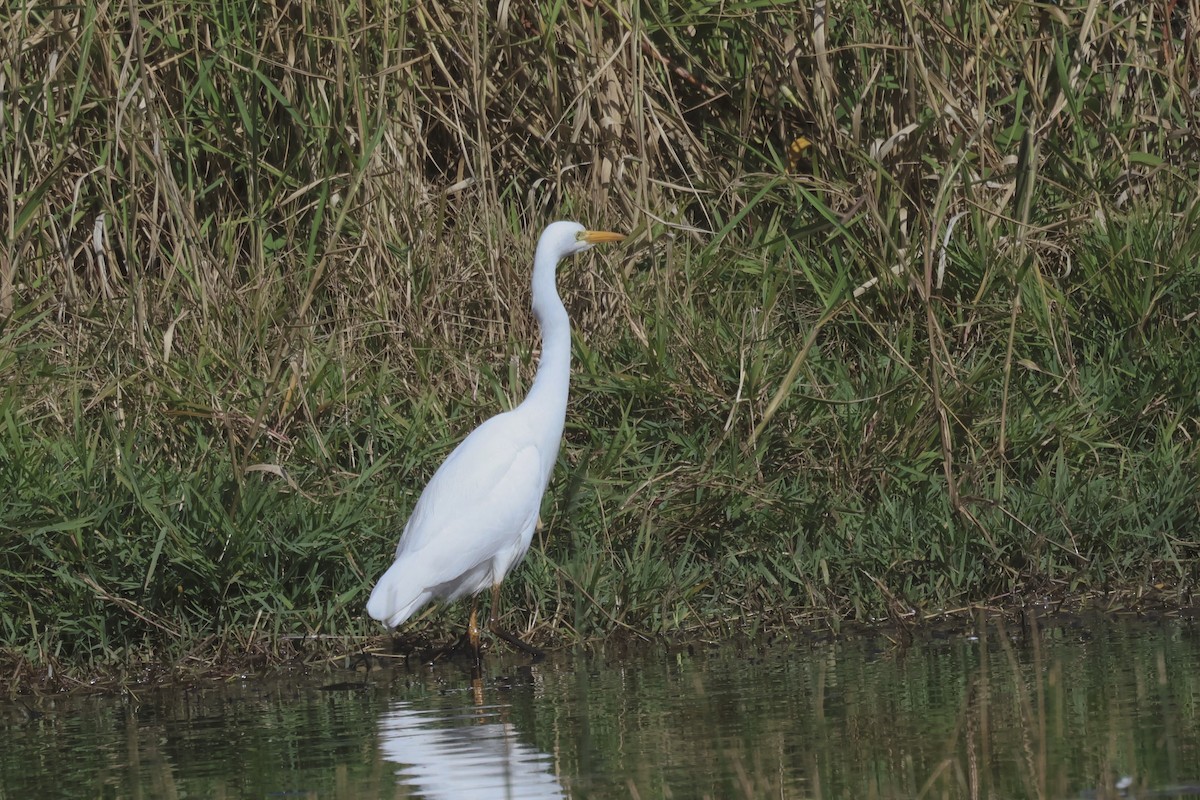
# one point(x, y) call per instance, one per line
point(517, 644)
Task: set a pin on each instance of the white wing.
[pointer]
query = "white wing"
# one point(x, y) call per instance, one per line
point(471, 524)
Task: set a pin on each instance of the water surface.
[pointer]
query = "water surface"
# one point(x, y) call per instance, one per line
point(1057, 711)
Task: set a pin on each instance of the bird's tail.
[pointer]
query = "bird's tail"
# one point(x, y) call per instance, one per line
point(393, 599)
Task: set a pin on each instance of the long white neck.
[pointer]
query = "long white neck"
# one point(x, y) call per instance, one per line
point(547, 398)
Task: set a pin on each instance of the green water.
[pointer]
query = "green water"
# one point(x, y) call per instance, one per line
point(1054, 712)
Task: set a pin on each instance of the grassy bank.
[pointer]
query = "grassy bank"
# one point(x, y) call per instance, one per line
point(264, 265)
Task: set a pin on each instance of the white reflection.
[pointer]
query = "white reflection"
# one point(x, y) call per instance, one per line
point(470, 753)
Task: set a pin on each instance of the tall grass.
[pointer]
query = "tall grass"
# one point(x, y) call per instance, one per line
point(264, 265)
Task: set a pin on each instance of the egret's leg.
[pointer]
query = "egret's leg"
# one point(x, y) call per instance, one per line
point(494, 609)
point(494, 626)
point(473, 628)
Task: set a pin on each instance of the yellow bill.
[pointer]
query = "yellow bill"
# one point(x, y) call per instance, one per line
point(599, 237)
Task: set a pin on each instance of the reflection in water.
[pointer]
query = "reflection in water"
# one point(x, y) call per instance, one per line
point(474, 752)
point(1077, 708)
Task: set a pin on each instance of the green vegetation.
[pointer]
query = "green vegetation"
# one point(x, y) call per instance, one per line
point(263, 265)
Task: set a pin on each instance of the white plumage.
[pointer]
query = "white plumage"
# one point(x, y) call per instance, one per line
point(475, 519)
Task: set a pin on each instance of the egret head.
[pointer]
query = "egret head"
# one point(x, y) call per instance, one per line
point(567, 238)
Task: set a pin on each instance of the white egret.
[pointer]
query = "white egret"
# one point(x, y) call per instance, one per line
point(475, 519)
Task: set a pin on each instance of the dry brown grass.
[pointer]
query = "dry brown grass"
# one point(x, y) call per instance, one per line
point(242, 241)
